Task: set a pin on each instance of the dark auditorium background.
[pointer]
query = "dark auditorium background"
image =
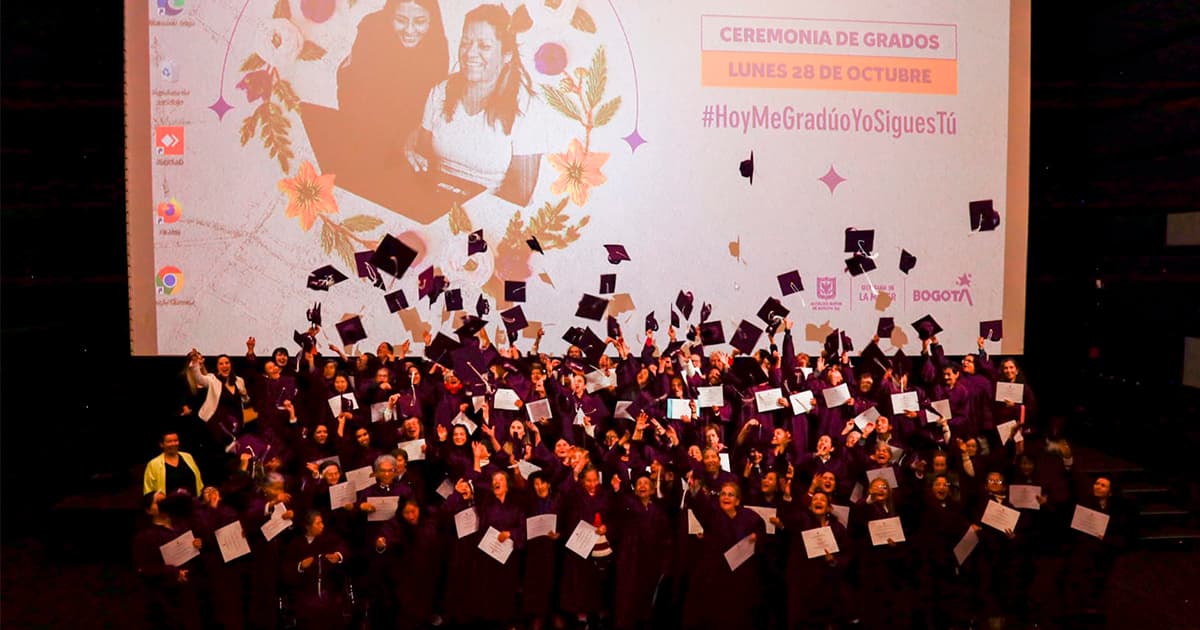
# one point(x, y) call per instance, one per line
point(1115, 149)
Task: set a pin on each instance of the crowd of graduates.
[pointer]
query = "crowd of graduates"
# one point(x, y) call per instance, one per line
point(389, 491)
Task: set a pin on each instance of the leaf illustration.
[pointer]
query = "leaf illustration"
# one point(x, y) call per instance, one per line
point(606, 112)
point(545, 277)
point(460, 223)
point(286, 95)
point(275, 134)
point(583, 21)
point(553, 4)
point(282, 10)
point(597, 77)
point(328, 236)
point(556, 100)
point(512, 233)
point(249, 126)
point(311, 52)
point(252, 63)
point(361, 223)
point(345, 249)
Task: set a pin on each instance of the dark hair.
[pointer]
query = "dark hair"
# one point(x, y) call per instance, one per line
point(503, 104)
point(310, 517)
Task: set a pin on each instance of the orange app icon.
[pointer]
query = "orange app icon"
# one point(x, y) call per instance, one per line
point(168, 140)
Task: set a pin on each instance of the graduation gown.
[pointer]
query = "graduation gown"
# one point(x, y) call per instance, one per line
point(583, 579)
point(170, 604)
point(817, 591)
point(318, 593)
point(642, 536)
point(718, 597)
point(539, 590)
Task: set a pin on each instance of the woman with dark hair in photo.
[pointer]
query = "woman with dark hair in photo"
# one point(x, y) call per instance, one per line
point(885, 570)
point(944, 592)
point(540, 580)
point(642, 535)
point(816, 587)
point(313, 569)
point(473, 122)
point(225, 395)
point(170, 591)
point(1090, 559)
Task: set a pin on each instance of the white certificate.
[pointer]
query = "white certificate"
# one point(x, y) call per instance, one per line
point(867, 417)
point(491, 545)
point(1010, 392)
point(177, 552)
point(385, 508)
point(767, 513)
point(527, 468)
point(466, 422)
point(713, 396)
point(466, 522)
point(335, 403)
point(341, 494)
point(583, 539)
point(1000, 517)
point(942, 408)
point(231, 540)
point(904, 402)
point(542, 525)
point(477, 402)
point(622, 410)
point(538, 410)
point(506, 399)
point(818, 541)
point(856, 493)
point(966, 545)
point(678, 408)
point(836, 396)
point(694, 526)
point(276, 524)
point(1024, 497)
point(414, 450)
point(445, 489)
point(887, 472)
point(1006, 431)
point(806, 372)
point(360, 478)
point(599, 380)
point(768, 399)
point(884, 528)
point(381, 412)
point(1089, 521)
point(842, 512)
point(740, 552)
point(802, 402)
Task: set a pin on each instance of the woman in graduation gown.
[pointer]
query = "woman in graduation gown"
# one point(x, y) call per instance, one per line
point(642, 535)
point(584, 580)
point(944, 584)
point(817, 592)
point(539, 584)
point(719, 597)
point(999, 555)
point(460, 585)
point(170, 591)
point(499, 508)
point(265, 554)
point(228, 581)
point(419, 566)
point(313, 571)
point(885, 571)
point(1090, 559)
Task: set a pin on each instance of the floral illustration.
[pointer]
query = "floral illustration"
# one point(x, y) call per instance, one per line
point(579, 170)
point(310, 197)
point(580, 97)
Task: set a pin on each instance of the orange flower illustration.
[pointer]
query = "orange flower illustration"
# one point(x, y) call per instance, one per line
point(309, 195)
point(580, 171)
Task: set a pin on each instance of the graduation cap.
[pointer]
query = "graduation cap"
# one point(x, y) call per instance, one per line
point(901, 364)
point(874, 361)
point(470, 326)
point(885, 328)
point(591, 307)
point(482, 306)
point(425, 282)
point(790, 282)
point(748, 371)
point(705, 312)
point(304, 340)
point(351, 330)
point(439, 285)
point(847, 343)
point(614, 329)
point(475, 243)
point(608, 283)
point(573, 335)
point(651, 323)
point(393, 256)
point(926, 327)
point(984, 217)
point(533, 244)
point(454, 300)
point(396, 301)
point(674, 318)
point(831, 343)
point(362, 264)
point(514, 290)
point(746, 168)
point(860, 242)
point(683, 302)
point(313, 315)
point(672, 348)
point(514, 320)
point(992, 330)
point(859, 264)
point(772, 313)
point(591, 345)
point(440, 348)
point(907, 261)
point(746, 337)
point(617, 253)
point(712, 333)
point(325, 277)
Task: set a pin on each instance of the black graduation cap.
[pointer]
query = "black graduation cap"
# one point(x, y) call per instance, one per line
point(885, 328)
point(325, 277)
point(514, 320)
point(533, 244)
point(746, 168)
point(684, 302)
point(712, 333)
point(992, 330)
point(362, 264)
point(396, 301)
point(440, 348)
point(860, 242)
point(454, 300)
point(304, 340)
point(514, 290)
point(313, 315)
point(790, 282)
point(672, 348)
point(748, 371)
point(907, 261)
point(482, 306)
point(651, 323)
point(617, 253)
point(476, 243)
point(772, 313)
point(691, 333)
point(674, 318)
point(614, 329)
point(439, 285)
point(470, 327)
point(874, 361)
point(591, 307)
point(859, 264)
point(573, 335)
point(705, 312)
point(926, 327)
point(901, 364)
point(847, 343)
point(591, 345)
point(392, 256)
point(351, 330)
point(425, 282)
point(831, 343)
point(746, 337)
point(608, 283)
point(984, 217)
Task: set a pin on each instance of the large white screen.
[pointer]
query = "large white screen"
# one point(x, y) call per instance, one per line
point(876, 115)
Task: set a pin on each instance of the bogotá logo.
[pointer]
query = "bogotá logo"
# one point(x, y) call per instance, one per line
point(960, 293)
point(169, 280)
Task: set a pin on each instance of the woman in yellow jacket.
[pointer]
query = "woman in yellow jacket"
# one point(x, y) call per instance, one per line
point(166, 475)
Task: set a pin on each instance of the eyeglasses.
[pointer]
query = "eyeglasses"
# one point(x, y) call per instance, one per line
point(727, 494)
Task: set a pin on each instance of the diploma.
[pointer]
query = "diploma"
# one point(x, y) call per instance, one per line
point(867, 417)
point(537, 526)
point(491, 545)
point(360, 478)
point(381, 412)
point(709, 397)
point(806, 372)
point(678, 408)
point(856, 493)
point(1024, 497)
point(445, 489)
point(466, 522)
point(966, 545)
point(768, 399)
point(818, 541)
point(231, 540)
point(883, 529)
point(725, 464)
point(413, 449)
point(941, 408)
point(583, 539)
point(887, 473)
point(335, 403)
point(740, 552)
point(276, 524)
point(341, 494)
point(538, 410)
point(1006, 431)
point(904, 402)
point(622, 410)
point(527, 468)
point(466, 422)
point(177, 552)
point(1090, 521)
point(1010, 392)
point(1000, 517)
point(385, 508)
point(506, 399)
point(836, 396)
point(477, 402)
point(598, 380)
point(842, 512)
point(766, 513)
point(694, 526)
point(802, 402)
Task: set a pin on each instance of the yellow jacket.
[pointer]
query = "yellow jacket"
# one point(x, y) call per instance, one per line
point(155, 479)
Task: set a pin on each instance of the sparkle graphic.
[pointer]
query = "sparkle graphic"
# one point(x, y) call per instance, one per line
point(831, 179)
point(964, 280)
point(220, 107)
point(635, 140)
